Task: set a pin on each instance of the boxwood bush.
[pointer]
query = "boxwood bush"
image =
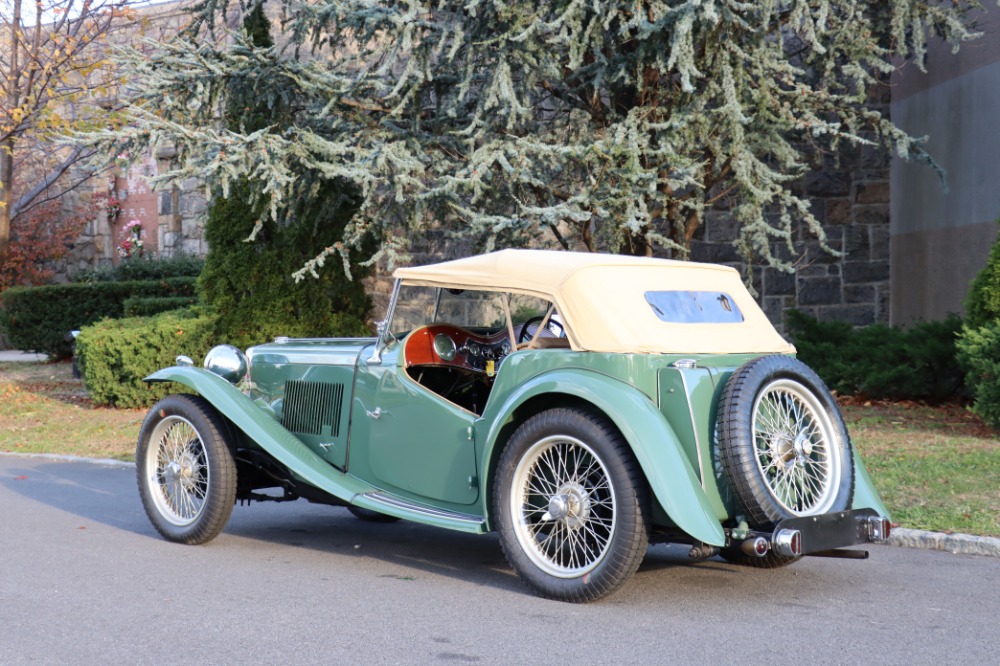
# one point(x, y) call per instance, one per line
point(883, 362)
point(116, 354)
point(38, 318)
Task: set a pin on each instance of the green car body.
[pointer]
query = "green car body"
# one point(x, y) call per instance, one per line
point(345, 421)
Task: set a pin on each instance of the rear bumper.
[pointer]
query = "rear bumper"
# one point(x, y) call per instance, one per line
point(816, 535)
point(837, 530)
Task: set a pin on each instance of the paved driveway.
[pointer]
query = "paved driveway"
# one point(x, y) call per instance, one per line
point(84, 579)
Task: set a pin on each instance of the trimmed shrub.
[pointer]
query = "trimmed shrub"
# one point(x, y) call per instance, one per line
point(142, 268)
point(116, 354)
point(38, 318)
point(147, 306)
point(979, 355)
point(882, 362)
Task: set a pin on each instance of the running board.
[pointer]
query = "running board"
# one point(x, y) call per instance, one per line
point(420, 513)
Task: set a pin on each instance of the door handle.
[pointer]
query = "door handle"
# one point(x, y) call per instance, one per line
point(375, 413)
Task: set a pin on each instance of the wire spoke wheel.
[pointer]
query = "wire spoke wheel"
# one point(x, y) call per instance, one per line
point(185, 469)
point(783, 443)
point(569, 501)
point(793, 439)
point(178, 471)
point(564, 505)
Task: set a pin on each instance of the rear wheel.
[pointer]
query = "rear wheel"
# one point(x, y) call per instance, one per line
point(185, 469)
point(570, 505)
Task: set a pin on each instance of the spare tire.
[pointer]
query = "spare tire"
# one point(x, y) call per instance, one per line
point(783, 443)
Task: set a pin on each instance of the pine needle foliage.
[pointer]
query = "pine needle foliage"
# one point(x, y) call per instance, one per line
point(248, 285)
point(597, 124)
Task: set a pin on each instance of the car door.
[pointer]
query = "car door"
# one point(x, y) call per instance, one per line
point(407, 439)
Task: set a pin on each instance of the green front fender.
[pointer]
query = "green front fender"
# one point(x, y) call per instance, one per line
point(651, 438)
point(262, 429)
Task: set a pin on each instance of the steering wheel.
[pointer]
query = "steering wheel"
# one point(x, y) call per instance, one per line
point(553, 327)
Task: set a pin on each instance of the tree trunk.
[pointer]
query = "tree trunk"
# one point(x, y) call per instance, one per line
point(6, 196)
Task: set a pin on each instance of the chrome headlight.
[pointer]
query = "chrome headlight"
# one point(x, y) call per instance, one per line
point(228, 362)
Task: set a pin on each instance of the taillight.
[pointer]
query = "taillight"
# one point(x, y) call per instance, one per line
point(757, 547)
point(878, 528)
point(788, 542)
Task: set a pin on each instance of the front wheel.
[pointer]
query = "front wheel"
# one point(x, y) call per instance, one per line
point(185, 469)
point(570, 505)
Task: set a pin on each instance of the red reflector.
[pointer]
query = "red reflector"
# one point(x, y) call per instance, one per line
point(760, 546)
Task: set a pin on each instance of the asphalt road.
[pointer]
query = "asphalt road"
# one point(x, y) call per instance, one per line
point(84, 579)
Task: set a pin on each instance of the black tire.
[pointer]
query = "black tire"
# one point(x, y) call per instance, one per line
point(185, 469)
point(570, 505)
point(370, 516)
point(783, 442)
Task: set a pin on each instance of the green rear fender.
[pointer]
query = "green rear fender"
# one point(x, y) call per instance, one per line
point(266, 432)
point(653, 442)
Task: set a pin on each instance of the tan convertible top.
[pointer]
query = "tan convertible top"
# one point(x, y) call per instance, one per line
point(601, 299)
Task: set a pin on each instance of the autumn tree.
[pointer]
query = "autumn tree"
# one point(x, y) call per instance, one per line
point(52, 79)
point(597, 124)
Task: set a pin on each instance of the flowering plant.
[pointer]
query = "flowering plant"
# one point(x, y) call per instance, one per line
point(114, 208)
point(131, 245)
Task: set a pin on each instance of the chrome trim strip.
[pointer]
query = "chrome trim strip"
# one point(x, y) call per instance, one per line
point(389, 500)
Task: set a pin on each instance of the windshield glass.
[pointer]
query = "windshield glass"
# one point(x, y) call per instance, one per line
point(481, 311)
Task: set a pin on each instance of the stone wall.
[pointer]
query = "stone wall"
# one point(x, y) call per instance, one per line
point(172, 220)
point(853, 207)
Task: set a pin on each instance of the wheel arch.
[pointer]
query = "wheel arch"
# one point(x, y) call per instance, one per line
point(251, 422)
point(667, 471)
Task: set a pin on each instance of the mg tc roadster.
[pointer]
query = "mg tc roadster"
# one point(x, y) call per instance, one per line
point(580, 405)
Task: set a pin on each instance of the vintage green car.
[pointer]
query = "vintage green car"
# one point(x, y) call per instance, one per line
point(581, 405)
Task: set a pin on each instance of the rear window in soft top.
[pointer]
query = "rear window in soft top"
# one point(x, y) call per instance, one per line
point(694, 307)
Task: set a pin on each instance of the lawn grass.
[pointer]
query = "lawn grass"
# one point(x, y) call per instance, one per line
point(43, 409)
point(937, 468)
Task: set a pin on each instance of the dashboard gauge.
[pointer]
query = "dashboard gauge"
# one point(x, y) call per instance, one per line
point(445, 347)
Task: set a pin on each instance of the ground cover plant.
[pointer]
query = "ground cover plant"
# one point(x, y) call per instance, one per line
point(935, 466)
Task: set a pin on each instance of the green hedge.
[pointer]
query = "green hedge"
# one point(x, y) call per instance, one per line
point(115, 354)
point(883, 362)
point(147, 306)
point(38, 318)
point(140, 268)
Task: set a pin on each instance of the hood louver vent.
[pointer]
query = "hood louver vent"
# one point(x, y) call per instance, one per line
point(309, 407)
